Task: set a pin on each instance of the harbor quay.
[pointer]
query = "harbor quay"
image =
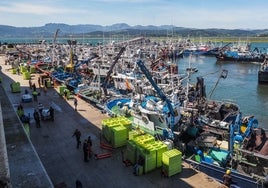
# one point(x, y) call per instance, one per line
point(48, 157)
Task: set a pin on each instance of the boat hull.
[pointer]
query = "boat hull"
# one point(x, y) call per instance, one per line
point(239, 59)
point(263, 77)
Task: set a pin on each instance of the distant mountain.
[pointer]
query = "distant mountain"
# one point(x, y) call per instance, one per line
point(66, 30)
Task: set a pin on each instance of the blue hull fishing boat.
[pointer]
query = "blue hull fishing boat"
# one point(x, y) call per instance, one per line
point(235, 56)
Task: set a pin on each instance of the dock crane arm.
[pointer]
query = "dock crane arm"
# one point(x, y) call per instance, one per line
point(55, 36)
point(104, 85)
point(158, 90)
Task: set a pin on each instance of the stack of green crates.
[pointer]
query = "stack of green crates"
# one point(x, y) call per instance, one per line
point(131, 151)
point(26, 75)
point(143, 139)
point(119, 136)
point(61, 89)
point(125, 122)
point(115, 130)
point(172, 162)
point(23, 69)
point(134, 133)
point(150, 158)
point(13, 71)
point(146, 146)
point(15, 87)
point(107, 125)
point(160, 149)
point(32, 69)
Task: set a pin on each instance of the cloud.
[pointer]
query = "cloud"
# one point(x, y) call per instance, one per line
point(24, 8)
point(128, 1)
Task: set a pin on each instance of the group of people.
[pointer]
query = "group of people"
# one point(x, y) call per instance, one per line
point(87, 144)
point(38, 114)
point(34, 90)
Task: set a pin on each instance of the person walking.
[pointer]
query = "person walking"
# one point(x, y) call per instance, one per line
point(34, 87)
point(65, 93)
point(34, 93)
point(30, 83)
point(26, 91)
point(227, 178)
point(20, 110)
point(20, 107)
point(37, 118)
point(85, 150)
point(51, 113)
point(89, 145)
point(18, 70)
point(75, 104)
point(77, 135)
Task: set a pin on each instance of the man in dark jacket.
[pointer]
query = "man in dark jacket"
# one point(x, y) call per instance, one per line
point(227, 179)
point(77, 135)
point(37, 118)
point(75, 104)
point(51, 112)
point(89, 144)
point(85, 150)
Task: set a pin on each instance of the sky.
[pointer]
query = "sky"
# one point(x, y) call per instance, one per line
point(202, 14)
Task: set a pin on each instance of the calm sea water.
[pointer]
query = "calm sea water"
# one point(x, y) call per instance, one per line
point(241, 85)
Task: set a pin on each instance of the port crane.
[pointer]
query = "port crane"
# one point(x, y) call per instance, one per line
point(116, 58)
point(159, 92)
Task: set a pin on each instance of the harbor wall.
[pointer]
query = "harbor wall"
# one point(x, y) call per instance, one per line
point(4, 168)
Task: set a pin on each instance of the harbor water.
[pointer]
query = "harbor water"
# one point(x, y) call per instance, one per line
point(240, 86)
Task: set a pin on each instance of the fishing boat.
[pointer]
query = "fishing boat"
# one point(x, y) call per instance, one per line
point(44, 67)
point(211, 134)
point(240, 53)
point(263, 73)
point(125, 82)
point(75, 72)
point(101, 87)
point(240, 57)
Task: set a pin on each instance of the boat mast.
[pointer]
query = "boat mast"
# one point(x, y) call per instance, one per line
point(102, 56)
point(188, 80)
point(53, 46)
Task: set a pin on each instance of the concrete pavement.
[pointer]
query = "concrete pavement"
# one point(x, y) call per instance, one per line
point(57, 162)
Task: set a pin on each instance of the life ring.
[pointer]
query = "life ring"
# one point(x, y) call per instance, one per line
point(145, 119)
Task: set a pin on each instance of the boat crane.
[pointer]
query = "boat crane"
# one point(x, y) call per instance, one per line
point(223, 75)
point(159, 91)
point(86, 61)
point(104, 85)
